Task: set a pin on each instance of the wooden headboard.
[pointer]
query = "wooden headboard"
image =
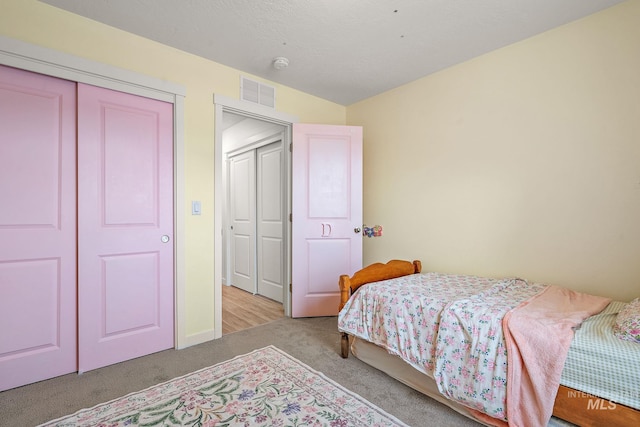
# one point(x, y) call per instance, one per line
point(375, 273)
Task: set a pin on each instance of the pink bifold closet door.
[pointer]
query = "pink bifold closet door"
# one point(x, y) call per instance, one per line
point(125, 226)
point(37, 227)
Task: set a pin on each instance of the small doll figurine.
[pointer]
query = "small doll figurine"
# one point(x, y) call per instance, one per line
point(375, 231)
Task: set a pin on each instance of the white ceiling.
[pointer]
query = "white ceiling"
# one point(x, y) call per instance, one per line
point(340, 50)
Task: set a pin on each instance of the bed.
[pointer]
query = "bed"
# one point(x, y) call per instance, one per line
point(390, 323)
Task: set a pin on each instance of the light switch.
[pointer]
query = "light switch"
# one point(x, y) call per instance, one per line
point(195, 207)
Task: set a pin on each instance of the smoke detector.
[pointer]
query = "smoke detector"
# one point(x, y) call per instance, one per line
point(280, 63)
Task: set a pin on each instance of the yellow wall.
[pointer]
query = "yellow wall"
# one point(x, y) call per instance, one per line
point(524, 161)
point(43, 25)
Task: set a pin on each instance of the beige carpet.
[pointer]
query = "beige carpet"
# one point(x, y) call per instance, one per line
point(314, 341)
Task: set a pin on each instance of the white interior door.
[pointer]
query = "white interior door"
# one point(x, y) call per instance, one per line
point(270, 218)
point(242, 187)
point(327, 215)
point(125, 226)
point(37, 227)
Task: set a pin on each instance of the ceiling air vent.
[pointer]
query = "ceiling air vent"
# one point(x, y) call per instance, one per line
point(258, 93)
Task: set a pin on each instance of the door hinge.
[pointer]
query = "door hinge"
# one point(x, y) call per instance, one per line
point(290, 287)
point(290, 217)
point(290, 147)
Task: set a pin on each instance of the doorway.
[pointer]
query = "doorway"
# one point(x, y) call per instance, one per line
point(255, 206)
point(345, 142)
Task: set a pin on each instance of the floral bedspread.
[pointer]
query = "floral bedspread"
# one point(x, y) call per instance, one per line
point(471, 355)
point(448, 326)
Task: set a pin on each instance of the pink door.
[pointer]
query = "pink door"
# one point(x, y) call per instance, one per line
point(125, 226)
point(37, 227)
point(327, 215)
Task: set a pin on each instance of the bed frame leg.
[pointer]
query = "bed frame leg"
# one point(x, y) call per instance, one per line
point(344, 344)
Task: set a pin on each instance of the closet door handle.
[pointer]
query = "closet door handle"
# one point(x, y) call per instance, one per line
point(357, 230)
point(164, 238)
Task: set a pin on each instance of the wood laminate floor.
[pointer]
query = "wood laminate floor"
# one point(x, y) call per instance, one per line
point(242, 310)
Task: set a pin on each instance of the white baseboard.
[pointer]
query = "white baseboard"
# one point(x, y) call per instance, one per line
point(195, 339)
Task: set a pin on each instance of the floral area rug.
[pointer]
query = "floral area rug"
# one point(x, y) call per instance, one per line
point(266, 387)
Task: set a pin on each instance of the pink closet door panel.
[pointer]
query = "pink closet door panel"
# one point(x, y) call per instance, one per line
point(125, 223)
point(37, 227)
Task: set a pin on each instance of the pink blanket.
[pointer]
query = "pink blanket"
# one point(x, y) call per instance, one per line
point(538, 334)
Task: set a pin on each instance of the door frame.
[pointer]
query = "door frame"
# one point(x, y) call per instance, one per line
point(29, 57)
point(224, 104)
